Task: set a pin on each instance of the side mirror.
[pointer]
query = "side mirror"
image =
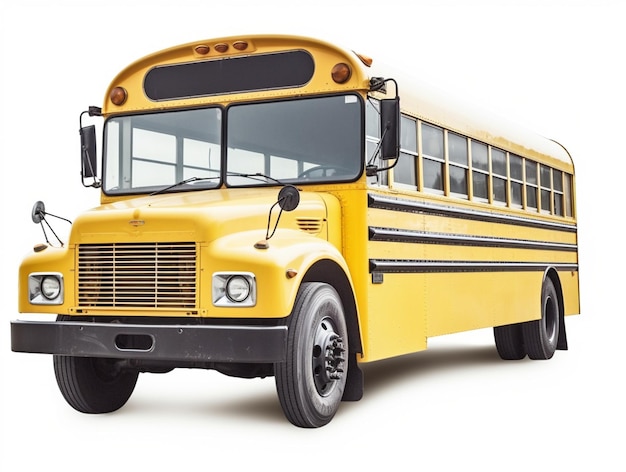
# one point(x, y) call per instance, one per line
point(88, 157)
point(38, 213)
point(390, 128)
point(288, 198)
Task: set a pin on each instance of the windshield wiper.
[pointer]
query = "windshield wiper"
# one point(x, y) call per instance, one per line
point(182, 182)
point(256, 174)
point(235, 174)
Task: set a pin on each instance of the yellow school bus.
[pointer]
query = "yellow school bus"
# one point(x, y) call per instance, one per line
point(280, 206)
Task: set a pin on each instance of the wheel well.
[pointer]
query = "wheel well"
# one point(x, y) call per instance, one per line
point(553, 275)
point(331, 273)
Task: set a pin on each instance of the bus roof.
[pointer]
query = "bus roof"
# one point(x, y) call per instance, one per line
point(450, 111)
point(418, 98)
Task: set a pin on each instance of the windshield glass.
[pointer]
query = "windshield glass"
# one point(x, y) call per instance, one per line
point(145, 153)
point(296, 141)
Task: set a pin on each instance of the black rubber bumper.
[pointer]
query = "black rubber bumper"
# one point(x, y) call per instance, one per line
point(185, 343)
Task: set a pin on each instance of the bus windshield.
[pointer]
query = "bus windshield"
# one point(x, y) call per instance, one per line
point(296, 141)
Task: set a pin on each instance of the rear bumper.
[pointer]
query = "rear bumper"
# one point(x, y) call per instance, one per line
point(183, 343)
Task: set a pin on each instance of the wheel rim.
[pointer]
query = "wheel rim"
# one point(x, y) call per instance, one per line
point(327, 357)
point(550, 319)
point(107, 370)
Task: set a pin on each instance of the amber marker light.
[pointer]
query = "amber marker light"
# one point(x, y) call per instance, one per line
point(365, 59)
point(202, 49)
point(118, 96)
point(341, 73)
point(240, 45)
point(221, 47)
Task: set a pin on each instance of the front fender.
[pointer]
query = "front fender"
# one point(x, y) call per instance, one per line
point(279, 268)
point(49, 260)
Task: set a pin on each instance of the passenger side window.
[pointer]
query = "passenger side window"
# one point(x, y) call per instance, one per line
point(531, 184)
point(499, 175)
point(480, 171)
point(517, 180)
point(433, 159)
point(405, 171)
point(458, 164)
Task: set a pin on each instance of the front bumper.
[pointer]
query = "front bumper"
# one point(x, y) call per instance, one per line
point(179, 343)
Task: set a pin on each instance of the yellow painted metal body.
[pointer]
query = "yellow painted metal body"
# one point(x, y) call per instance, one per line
point(395, 315)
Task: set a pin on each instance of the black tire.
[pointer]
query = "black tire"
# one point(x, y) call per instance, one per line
point(94, 385)
point(510, 342)
point(311, 382)
point(541, 336)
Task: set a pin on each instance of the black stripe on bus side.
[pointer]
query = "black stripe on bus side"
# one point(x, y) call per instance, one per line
point(421, 237)
point(399, 204)
point(413, 266)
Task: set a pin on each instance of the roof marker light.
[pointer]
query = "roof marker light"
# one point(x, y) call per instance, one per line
point(221, 47)
point(202, 49)
point(365, 59)
point(341, 73)
point(118, 96)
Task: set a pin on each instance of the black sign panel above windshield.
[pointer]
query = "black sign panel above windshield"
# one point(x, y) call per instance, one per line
point(229, 75)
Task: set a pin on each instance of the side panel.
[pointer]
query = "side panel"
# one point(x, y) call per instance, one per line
point(397, 322)
point(436, 268)
point(464, 301)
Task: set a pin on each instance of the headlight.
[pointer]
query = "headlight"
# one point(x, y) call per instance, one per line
point(45, 288)
point(234, 289)
point(50, 287)
point(237, 289)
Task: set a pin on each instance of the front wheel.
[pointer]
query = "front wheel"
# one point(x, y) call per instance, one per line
point(311, 381)
point(94, 385)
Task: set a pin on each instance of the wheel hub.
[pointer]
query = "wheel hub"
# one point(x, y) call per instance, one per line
point(328, 357)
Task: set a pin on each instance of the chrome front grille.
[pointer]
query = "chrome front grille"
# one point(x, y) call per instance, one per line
point(137, 275)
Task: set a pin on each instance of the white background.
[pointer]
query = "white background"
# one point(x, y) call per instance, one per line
point(554, 66)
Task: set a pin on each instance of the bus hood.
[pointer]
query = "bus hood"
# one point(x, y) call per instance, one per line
point(201, 216)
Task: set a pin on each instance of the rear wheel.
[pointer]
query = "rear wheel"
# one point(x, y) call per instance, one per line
point(311, 381)
point(510, 341)
point(541, 336)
